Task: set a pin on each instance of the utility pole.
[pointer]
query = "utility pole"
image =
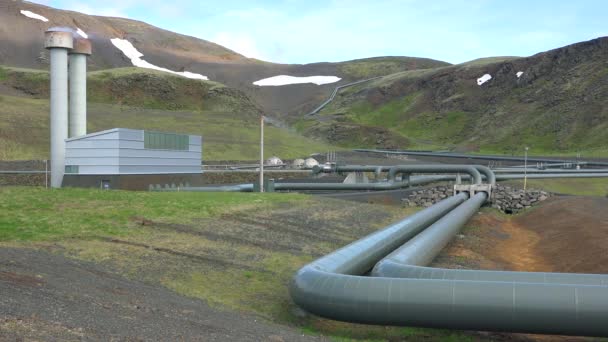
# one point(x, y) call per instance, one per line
point(525, 168)
point(262, 153)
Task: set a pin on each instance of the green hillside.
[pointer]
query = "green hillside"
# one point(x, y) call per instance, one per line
point(558, 105)
point(141, 99)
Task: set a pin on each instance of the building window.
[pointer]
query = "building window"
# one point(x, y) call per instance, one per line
point(166, 141)
point(71, 169)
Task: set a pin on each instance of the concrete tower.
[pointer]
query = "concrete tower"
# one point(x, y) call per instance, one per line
point(78, 87)
point(58, 40)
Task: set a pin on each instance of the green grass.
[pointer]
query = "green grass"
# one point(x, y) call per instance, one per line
point(437, 128)
point(35, 214)
point(79, 223)
point(3, 73)
point(24, 131)
point(372, 67)
point(582, 186)
point(147, 99)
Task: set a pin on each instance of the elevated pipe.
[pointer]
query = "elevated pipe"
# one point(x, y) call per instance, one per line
point(221, 188)
point(552, 171)
point(438, 168)
point(481, 156)
point(58, 41)
point(330, 288)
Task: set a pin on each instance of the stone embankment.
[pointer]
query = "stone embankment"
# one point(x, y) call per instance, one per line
point(507, 199)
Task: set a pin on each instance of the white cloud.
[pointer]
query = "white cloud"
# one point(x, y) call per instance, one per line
point(243, 44)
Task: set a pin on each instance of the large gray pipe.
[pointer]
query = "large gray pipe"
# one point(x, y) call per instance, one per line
point(551, 171)
point(219, 188)
point(422, 249)
point(481, 157)
point(58, 41)
point(550, 175)
point(78, 87)
point(329, 287)
point(438, 168)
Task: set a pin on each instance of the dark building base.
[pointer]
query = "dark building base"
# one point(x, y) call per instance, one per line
point(132, 182)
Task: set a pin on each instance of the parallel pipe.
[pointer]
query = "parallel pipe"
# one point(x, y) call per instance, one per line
point(471, 170)
point(551, 171)
point(221, 188)
point(328, 287)
point(481, 157)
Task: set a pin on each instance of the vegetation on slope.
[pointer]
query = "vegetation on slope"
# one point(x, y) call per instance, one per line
point(381, 66)
point(236, 251)
point(142, 99)
point(558, 105)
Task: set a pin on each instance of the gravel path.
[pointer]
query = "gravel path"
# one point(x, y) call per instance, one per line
point(49, 297)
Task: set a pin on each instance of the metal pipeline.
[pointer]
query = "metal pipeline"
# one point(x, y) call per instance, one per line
point(470, 169)
point(482, 157)
point(473, 170)
point(221, 188)
point(550, 175)
point(552, 171)
point(330, 288)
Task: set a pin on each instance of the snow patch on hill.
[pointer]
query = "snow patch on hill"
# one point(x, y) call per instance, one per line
point(33, 15)
point(82, 33)
point(285, 80)
point(519, 73)
point(483, 79)
point(135, 56)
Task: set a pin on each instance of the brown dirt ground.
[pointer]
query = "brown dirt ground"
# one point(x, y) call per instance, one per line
point(565, 234)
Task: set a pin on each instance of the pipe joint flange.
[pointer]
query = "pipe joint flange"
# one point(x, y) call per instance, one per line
point(473, 189)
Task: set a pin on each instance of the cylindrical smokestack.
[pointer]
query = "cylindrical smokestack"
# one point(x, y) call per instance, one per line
point(58, 41)
point(78, 87)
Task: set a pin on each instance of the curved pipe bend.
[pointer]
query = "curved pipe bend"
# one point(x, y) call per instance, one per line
point(490, 176)
point(437, 168)
point(330, 287)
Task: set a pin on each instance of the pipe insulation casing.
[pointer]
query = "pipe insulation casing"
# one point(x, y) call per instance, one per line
point(330, 287)
point(78, 95)
point(59, 113)
point(423, 248)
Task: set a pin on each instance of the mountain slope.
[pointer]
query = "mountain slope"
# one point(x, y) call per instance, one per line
point(22, 46)
point(559, 102)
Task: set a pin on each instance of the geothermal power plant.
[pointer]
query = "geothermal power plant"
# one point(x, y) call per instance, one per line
point(104, 159)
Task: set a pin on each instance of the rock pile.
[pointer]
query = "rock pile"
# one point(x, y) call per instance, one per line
point(504, 198)
point(512, 200)
point(427, 197)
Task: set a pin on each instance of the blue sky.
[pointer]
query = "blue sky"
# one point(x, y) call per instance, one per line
point(300, 31)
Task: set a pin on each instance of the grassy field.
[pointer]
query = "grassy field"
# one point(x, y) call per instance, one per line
point(24, 131)
point(235, 251)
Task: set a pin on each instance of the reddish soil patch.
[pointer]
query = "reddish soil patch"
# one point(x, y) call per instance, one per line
point(572, 233)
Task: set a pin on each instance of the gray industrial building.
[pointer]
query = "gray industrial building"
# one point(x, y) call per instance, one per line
point(116, 158)
point(122, 151)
